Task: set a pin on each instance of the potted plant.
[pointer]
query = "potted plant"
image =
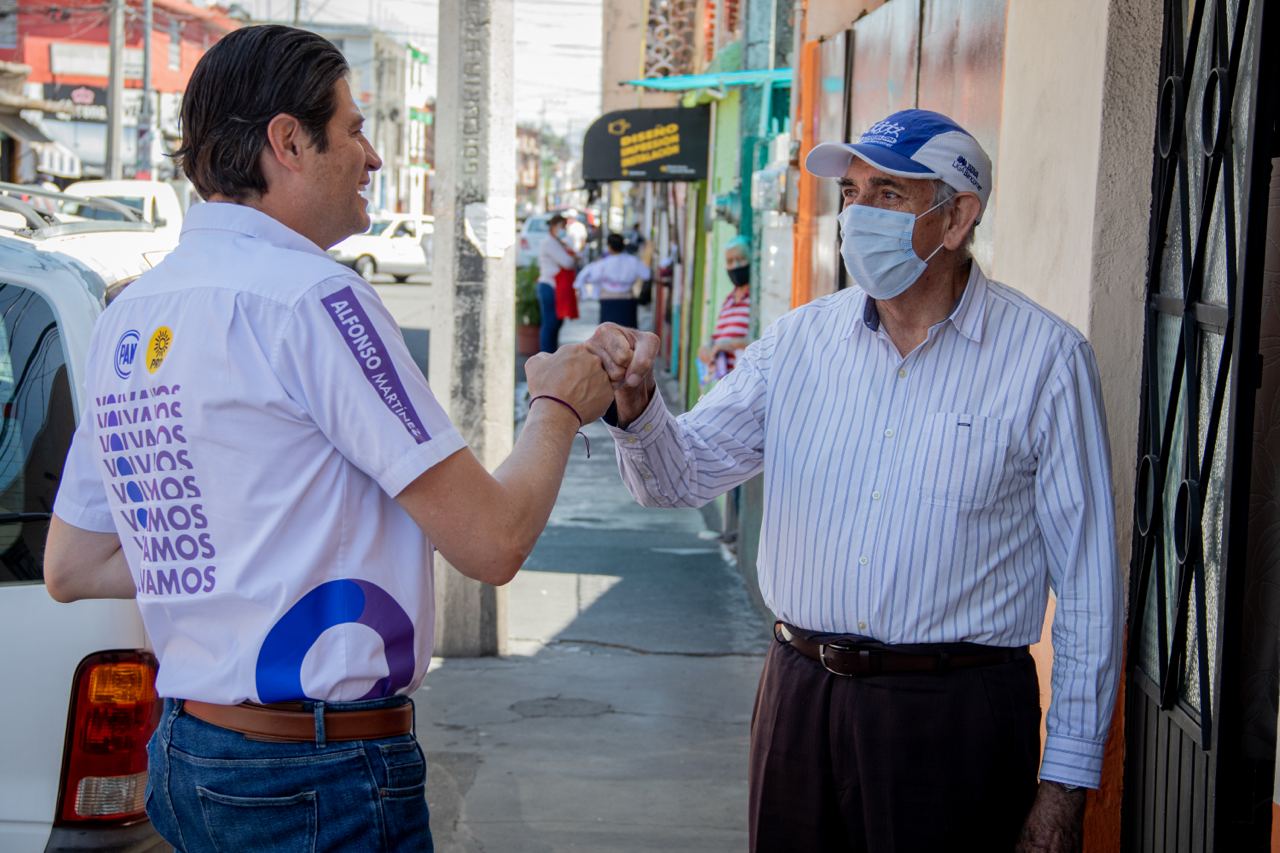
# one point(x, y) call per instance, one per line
point(528, 314)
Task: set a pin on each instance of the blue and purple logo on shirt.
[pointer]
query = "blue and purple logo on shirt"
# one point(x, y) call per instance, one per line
point(340, 602)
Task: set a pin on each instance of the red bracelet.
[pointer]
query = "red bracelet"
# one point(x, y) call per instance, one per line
point(570, 408)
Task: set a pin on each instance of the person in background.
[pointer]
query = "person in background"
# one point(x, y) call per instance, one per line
point(575, 231)
point(635, 239)
point(616, 275)
point(733, 323)
point(936, 462)
point(553, 257)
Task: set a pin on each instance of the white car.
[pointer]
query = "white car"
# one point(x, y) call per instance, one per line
point(535, 228)
point(398, 245)
point(74, 734)
point(155, 201)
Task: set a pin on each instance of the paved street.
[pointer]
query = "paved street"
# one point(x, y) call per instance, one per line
point(619, 720)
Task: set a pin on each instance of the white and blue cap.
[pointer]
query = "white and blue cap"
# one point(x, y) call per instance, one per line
point(912, 144)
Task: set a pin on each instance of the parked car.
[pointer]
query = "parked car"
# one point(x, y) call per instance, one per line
point(82, 678)
point(398, 245)
point(535, 228)
point(155, 201)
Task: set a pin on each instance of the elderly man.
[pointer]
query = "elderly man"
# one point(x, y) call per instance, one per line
point(936, 461)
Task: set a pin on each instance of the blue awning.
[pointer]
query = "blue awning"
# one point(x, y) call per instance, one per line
point(719, 79)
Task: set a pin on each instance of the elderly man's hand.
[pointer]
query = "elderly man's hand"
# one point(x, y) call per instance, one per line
point(1056, 821)
point(627, 356)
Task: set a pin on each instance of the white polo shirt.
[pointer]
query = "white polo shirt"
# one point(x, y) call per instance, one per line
point(250, 412)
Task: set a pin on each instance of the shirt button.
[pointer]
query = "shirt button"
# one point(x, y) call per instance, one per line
point(875, 496)
point(902, 374)
point(633, 440)
point(888, 433)
point(862, 561)
point(648, 427)
point(862, 626)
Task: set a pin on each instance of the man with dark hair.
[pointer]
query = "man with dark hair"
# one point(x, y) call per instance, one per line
point(262, 466)
point(616, 275)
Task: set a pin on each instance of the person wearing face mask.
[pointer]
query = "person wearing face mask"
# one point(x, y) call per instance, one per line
point(935, 458)
point(554, 257)
point(733, 323)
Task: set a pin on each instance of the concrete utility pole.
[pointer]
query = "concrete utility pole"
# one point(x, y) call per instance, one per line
point(146, 117)
point(473, 335)
point(115, 93)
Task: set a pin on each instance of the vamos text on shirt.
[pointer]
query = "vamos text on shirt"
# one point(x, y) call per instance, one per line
point(148, 467)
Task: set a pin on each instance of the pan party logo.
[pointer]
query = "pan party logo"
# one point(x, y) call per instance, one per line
point(161, 341)
point(619, 126)
point(648, 145)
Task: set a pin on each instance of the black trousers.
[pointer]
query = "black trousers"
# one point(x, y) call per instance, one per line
point(620, 311)
point(892, 763)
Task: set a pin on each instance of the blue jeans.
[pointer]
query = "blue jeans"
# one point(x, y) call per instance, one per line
point(212, 790)
point(549, 334)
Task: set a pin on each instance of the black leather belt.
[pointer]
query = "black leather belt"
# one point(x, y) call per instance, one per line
point(850, 658)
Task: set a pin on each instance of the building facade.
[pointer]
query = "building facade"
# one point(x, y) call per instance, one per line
point(66, 49)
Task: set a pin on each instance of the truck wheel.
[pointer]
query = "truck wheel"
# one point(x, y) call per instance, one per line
point(366, 267)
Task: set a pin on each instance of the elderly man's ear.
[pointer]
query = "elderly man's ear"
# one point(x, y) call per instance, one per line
point(964, 215)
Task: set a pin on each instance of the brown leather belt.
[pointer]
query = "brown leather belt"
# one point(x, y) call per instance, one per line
point(849, 658)
point(291, 722)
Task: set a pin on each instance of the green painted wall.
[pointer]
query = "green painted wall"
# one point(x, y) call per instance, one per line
point(713, 284)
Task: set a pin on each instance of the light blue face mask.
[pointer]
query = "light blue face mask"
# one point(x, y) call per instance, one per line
point(876, 247)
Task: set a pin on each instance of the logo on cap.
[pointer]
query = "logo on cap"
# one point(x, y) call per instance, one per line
point(968, 170)
point(883, 133)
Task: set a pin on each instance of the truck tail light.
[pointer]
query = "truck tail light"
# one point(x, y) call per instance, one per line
point(524, 243)
point(114, 710)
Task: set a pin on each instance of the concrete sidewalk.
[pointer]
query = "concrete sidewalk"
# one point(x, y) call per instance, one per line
point(619, 720)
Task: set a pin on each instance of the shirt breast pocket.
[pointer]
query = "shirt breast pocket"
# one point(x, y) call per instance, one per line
point(963, 459)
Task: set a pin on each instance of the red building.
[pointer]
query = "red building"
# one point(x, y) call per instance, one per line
point(66, 48)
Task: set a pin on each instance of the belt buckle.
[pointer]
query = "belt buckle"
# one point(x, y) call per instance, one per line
point(863, 655)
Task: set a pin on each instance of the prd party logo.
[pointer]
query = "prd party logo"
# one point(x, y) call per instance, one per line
point(158, 348)
point(126, 352)
point(340, 602)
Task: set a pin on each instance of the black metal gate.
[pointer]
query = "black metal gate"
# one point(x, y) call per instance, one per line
point(1189, 783)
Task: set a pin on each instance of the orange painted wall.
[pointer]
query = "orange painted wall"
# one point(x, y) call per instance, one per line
point(806, 207)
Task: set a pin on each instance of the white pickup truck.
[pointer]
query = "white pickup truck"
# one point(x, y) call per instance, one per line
point(155, 201)
point(82, 681)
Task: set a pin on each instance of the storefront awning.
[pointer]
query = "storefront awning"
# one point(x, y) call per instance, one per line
point(21, 129)
point(716, 80)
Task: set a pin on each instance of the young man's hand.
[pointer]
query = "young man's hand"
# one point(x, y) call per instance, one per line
point(627, 356)
point(573, 374)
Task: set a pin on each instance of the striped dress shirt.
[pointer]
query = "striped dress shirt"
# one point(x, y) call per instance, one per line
point(931, 498)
